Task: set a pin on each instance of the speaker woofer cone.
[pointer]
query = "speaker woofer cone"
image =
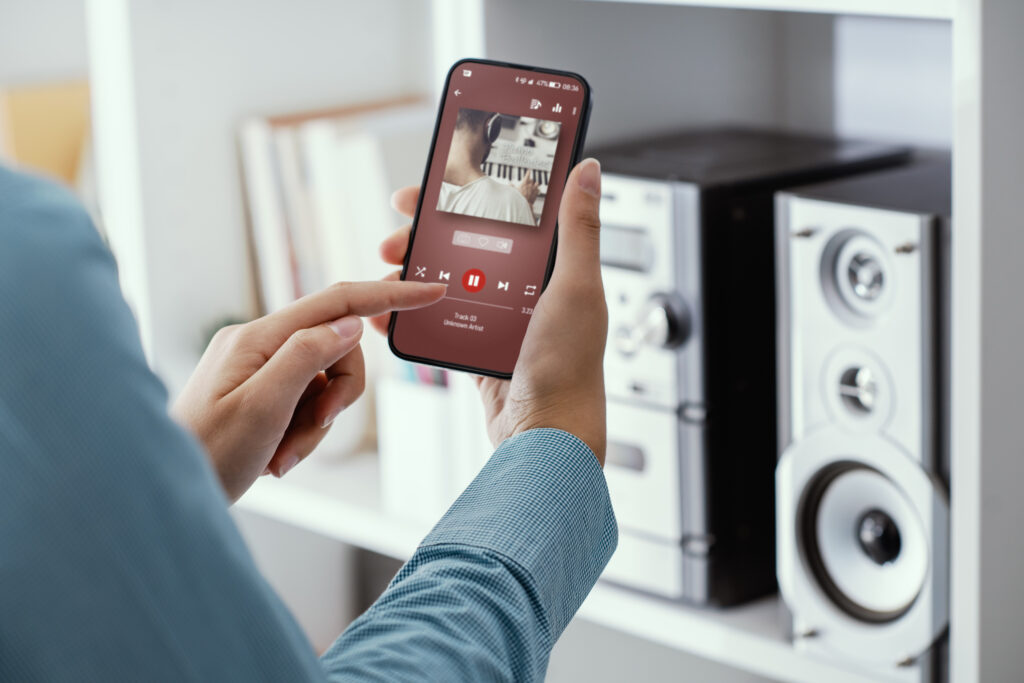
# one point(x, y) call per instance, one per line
point(862, 542)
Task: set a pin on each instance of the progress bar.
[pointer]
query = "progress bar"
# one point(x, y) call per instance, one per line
point(480, 303)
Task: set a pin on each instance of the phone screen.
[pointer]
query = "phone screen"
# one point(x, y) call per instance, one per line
point(506, 138)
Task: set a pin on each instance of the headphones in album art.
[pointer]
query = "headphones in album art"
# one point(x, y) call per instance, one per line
point(492, 129)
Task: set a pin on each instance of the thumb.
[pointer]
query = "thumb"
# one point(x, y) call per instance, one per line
point(579, 225)
point(301, 358)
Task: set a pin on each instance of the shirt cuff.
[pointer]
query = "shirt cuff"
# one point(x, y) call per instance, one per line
point(542, 502)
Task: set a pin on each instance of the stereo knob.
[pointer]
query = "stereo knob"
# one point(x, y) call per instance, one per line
point(664, 322)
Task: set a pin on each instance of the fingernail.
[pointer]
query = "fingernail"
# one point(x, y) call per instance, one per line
point(589, 177)
point(291, 462)
point(330, 419)
point(347, 327)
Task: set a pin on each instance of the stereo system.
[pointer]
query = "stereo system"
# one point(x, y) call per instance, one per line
point(688, 267)
point(863, 480)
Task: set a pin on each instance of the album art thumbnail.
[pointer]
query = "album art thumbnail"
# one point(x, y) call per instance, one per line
point(499, 166)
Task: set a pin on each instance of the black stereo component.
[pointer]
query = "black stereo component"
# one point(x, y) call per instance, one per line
point(689, 269)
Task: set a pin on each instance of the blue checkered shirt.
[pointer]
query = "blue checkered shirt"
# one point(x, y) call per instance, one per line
point(119, 561)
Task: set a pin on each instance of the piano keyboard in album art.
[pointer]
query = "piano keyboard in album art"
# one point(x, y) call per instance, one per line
point(512, 163)
point(516, 174)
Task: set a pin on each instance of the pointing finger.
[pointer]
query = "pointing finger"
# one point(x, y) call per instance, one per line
point(341, 300)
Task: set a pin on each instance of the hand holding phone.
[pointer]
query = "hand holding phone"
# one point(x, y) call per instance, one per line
point(558, 380)
point(485, 221)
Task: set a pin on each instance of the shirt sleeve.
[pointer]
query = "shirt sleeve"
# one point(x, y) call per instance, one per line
point(118, 559)
point(494, 584)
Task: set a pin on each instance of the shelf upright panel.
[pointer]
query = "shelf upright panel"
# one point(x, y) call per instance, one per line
point(458, 32)
point(987, 610)
point(116, 143)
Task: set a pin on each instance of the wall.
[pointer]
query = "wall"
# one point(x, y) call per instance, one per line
point(807, 72)
point(638, 87)
point(912, 103)
point(42, 40)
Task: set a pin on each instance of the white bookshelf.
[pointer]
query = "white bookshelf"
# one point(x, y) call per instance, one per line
point(170, 82)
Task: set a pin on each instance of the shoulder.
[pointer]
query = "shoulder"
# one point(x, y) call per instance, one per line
point(25, 196)
point(496, 187)
point(42, 224)
point(518, 208)
point(504, 191)
point(52, 258)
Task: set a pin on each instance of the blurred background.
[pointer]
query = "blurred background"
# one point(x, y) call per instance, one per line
point(237, 155)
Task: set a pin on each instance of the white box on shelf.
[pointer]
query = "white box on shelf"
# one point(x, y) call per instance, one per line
point(432, 443)
point(413, 432)
point(471, 446)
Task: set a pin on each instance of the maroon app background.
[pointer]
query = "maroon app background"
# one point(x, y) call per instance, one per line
point(422, 333)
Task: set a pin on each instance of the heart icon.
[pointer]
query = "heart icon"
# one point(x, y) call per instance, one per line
point(483, 241)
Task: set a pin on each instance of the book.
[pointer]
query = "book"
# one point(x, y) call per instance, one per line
point(310, 178)
point(272, 246)
point(44, 127)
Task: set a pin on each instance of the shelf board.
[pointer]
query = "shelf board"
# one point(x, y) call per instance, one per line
point(750, 637)
point(340, 499)
point(908, 9)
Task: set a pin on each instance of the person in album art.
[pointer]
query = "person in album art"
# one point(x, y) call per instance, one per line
point(466, 189)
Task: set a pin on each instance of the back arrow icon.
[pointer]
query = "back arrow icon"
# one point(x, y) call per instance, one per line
point(458, 92)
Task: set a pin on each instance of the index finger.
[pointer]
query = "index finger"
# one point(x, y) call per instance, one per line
point(342, 299)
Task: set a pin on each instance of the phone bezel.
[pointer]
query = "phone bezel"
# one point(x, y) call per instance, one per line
point(581, 133)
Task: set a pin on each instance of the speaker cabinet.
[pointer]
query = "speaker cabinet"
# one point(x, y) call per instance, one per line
point(862, 482)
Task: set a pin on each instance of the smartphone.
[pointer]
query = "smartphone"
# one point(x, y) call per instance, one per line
point(486, 223)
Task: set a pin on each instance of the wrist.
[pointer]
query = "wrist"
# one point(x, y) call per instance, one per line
point(589, 429)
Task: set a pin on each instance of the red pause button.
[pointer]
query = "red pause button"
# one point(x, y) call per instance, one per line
point(473, 280)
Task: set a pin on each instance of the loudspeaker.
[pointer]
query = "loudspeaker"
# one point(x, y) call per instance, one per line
point(862, 482)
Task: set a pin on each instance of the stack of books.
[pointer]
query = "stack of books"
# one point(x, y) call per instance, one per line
point(317, 188)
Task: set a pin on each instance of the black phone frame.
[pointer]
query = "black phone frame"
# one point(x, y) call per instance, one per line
point(581, 134)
